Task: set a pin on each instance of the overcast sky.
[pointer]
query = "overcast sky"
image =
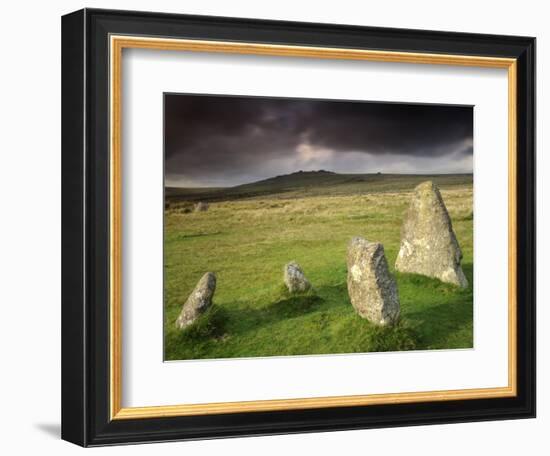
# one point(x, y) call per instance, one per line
point(226, 140)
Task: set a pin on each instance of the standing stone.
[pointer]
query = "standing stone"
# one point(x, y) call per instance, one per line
point(371, 287)
point(295, 279)
point(201, 206)
point(428, 242)
point(198, 301)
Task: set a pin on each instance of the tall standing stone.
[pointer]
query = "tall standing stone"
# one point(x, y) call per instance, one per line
point(295, 279)
point(428, 242)
point(198, 301)
point(371, 287)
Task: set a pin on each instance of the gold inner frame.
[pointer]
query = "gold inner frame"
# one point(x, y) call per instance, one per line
point(117, 44)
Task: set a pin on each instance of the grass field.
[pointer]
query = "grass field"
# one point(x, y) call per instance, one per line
point(250, 232)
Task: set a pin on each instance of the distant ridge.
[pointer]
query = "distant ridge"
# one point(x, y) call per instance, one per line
point(322, 182)
point(298, 179)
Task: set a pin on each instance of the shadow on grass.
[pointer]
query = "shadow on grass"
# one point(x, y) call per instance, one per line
point(400, 337)
point(292, 305)
point(194, 342)
point(440, 324)
point(434, 315)
point(183, 236)
point(286, 307)
point(217, 320)
point(211, 324)
point(468, 270)
point(444, 319)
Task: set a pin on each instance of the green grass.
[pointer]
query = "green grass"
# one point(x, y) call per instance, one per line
point(247, 241)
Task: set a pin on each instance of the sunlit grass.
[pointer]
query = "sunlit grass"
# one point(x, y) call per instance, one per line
point(247, 242)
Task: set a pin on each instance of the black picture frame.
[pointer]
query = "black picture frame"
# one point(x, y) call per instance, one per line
point(85, 228)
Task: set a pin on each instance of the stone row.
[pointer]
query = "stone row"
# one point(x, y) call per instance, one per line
point(428, 247)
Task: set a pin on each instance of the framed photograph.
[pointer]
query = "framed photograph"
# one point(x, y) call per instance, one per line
point(277, 227)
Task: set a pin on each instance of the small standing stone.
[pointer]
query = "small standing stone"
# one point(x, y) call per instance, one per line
point(295, 279)
point(201, 206)
point(428, 242)
point(198, 301)
point(371, 287)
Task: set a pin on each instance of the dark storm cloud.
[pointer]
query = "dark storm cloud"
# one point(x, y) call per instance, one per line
point(223, 140)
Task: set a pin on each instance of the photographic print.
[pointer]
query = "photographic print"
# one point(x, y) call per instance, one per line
point(314, 227)
point(307, 213)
